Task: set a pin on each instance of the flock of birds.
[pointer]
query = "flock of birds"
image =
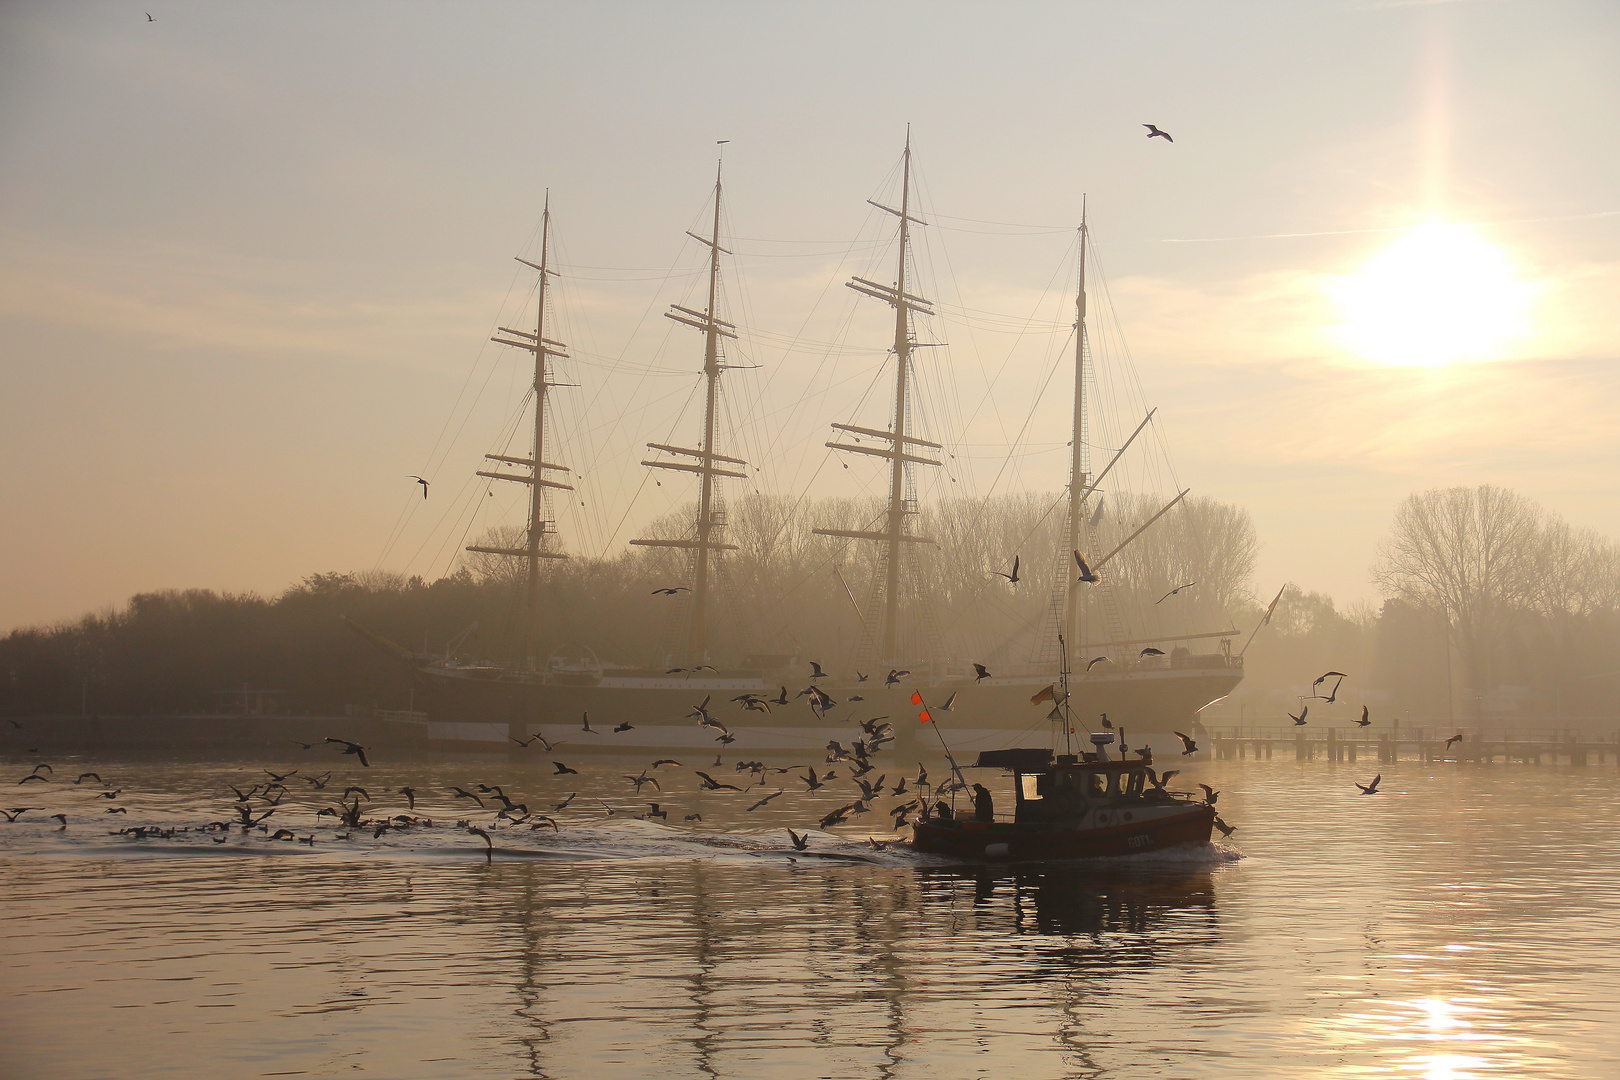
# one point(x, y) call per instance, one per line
point(1363, 722)
point(354, 808)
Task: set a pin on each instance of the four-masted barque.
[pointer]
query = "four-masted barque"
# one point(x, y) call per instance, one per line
point(482, 703)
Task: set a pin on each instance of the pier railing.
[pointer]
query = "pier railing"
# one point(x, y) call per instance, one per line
point(1415, 743)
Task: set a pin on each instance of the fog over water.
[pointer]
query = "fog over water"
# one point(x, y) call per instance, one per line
point(1462, 925)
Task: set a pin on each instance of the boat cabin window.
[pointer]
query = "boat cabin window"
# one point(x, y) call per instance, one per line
point(1029, 786)
point(1094, 784)
point(1137, 780)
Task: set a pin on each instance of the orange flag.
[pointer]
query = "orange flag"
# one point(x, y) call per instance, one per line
point(1044, 695)
point(924, 717)
point(916, 697)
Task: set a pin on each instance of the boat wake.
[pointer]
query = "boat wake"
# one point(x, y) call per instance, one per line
point(620, 841)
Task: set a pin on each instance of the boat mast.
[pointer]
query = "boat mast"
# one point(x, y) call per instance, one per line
point(543, 349)
point(710, 519)
point(1078, 479)
point(899, 438)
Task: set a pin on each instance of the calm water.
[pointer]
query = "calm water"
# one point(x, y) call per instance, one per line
point(1464, 924)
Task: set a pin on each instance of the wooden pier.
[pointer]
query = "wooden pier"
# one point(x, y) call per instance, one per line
point(1415, 744)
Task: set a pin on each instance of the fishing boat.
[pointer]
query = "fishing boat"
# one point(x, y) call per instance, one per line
point(1069, 806)
point(1154, 681)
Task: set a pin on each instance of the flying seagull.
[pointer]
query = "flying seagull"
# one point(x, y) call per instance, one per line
point(1457, 738)
point(421, 481)
point(1012, 578)
point(1173, 592)
point(1363, 722)
point(1087, 574)
point(1372, 788)
point(1155, 133)
point(671, 592)
point(1192, 747)
point(1151, 651)
point(1095, 660)
point(980, 673)
point(348, 748)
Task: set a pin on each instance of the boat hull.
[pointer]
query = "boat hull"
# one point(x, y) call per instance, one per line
point(1008, 842)
point(485, 706)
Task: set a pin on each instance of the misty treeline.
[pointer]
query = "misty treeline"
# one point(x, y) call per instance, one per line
point(1523, 607)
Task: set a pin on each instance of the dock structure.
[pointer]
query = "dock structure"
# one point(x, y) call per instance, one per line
point(1416, 744)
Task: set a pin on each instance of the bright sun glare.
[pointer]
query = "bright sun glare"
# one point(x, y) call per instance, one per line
point(1439, 294)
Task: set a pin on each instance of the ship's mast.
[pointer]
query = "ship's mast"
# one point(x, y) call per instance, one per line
point(543, 349)
point(899, 436)
point(1077, 468)
point(710, 520)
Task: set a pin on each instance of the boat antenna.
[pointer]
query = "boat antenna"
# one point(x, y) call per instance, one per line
point(711, 517)
point(904, 448)
point(540, 524)
point(1063, 680)
point(1078, 463)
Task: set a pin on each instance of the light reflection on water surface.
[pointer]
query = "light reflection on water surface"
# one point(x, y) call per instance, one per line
point(1466, 925)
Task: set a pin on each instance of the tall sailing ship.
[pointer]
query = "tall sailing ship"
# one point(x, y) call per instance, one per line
point(1151, 685)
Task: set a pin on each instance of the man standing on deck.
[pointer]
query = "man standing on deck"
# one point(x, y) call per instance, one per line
point(984, 809)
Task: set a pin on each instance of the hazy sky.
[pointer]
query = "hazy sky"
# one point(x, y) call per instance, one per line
point(250, 256)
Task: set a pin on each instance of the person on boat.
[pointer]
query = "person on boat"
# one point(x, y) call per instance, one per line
point(984, 807)
point(942, 810)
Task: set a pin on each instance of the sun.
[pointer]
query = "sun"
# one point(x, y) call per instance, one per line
point(1440, 294)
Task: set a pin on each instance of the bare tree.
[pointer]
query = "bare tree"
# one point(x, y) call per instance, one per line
point(1470, 554)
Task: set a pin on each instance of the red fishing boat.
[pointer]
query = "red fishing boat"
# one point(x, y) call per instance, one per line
point(1068, 806)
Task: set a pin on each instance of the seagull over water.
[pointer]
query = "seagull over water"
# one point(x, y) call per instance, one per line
point(1155, 133)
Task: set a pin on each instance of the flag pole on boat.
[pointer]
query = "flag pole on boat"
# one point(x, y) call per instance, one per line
point(927, 717)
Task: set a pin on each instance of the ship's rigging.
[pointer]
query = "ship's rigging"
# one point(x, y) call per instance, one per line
point(904, 449)
point(706, 461)
point(541, 521)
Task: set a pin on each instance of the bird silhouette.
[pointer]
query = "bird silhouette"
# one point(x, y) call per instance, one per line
point(816, 672)
point(1186, 741)
point(563, 770)
point(1155, 133)
point(763, 801)
point(1299, 721)
point(671, 591)
point(1012, 578)
point(421, 481)
point(980, 674)
point(1173, 592)
point(1087, 574)
point(585, 724)
point(1457, 738)
point(1210, 794)
point(1226, 830)
point(1363, 722)
point(709, 783)
point(800, 843)
point(1095, 660)
point(1372, 788)
point(348, 748)
point(1151, 651)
